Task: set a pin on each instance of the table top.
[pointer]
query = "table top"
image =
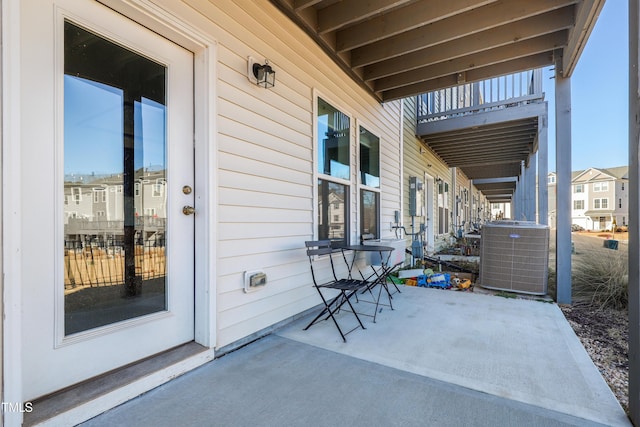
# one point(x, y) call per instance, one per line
point(368, 248)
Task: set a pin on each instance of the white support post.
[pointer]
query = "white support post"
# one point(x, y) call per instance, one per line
point(543, 170)
point(521, 189)
point(563, 186)
point(530, 176)
point(634, 212)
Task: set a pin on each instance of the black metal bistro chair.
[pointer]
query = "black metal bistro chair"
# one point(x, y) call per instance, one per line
point(346, 287)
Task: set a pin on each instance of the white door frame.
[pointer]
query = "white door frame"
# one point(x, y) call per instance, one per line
point(204, 48)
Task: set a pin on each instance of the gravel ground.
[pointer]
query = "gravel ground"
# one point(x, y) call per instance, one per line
point(604, 334)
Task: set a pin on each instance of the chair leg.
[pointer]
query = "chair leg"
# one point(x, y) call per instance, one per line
point(330, 311)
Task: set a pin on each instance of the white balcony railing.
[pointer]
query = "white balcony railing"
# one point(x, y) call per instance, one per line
point(486, 95)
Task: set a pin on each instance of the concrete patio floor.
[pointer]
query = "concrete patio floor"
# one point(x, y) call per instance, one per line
point(441, 358)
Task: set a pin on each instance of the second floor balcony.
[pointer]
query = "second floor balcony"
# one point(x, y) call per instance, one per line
point(489, 129)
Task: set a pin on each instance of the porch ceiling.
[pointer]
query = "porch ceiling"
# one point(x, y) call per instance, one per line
point(401, 48)
point(486, 154)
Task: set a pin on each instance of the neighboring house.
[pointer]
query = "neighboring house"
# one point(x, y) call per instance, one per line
point(599, 197)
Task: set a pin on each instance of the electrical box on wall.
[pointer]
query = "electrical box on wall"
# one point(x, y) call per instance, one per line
point(415, 196)
point(254, 280)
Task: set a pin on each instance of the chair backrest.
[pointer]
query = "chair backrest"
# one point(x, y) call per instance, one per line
point(318, 248)
point(366, 237)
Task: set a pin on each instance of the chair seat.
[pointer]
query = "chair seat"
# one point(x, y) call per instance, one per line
point(345, 285)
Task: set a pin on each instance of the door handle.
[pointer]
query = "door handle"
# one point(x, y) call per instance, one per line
point(188, 210)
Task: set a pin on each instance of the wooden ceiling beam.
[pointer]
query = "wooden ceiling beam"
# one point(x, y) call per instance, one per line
point(586, 16)
point(490, 163)
point(514, 66)
point(482, 59)
point(480, 144)
point(346, 12)
point(474, 21)
point(398, 21)
point(536, 26)
point(474, 134)
point(298, 5)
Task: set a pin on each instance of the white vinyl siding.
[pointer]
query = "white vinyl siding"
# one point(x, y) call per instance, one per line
point(418, 160)
point(265, 155)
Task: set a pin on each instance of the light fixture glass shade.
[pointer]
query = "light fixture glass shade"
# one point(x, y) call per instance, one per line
point(264, 74)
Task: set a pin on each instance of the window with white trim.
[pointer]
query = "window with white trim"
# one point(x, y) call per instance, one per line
point(600, 186)
point(578, 204)
point(601, 203)
point(99, 195)
point(578, 188)
point(158, 189)
point(443, 207)
point(369, 157)
point(333, 130)
point(76, 192)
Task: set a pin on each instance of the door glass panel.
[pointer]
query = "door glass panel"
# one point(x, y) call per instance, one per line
point(115, 194)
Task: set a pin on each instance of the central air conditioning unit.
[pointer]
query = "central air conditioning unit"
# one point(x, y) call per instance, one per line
point(514, 256)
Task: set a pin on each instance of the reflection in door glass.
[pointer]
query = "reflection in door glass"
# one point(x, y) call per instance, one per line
point(115, 198)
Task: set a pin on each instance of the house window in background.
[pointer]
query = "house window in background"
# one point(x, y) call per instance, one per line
point(600, 203)
point(578, 188)
point(369, 182)
point(443, 207)
point(334, 173)
point(578, 204)
point(600, 186)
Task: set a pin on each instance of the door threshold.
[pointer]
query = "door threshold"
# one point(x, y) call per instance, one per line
point(90, 398)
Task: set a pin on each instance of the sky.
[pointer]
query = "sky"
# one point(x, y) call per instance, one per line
point(599, 95)
point(93, 128)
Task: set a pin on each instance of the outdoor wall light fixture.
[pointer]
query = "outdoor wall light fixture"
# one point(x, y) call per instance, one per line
point(261, 74)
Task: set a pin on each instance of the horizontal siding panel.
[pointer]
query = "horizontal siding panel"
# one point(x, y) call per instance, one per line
point(261, 200)
point(233, 163)
point(265, 108)
point(245, 214)
point(238, 113)
point(279, 312)
point(232, 248)
point(279, 281)
point(230, 231)
point(268, 157)
point(259, 306)
point(234, 84)
point(300, 148)
point(280, 265)
point(261, 184)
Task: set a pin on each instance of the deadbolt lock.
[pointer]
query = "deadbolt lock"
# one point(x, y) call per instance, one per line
point(187, 189)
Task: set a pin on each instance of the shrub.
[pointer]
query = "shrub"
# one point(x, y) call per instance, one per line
point(600, 279)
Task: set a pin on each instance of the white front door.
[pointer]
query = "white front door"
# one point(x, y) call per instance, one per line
point(107, 168)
